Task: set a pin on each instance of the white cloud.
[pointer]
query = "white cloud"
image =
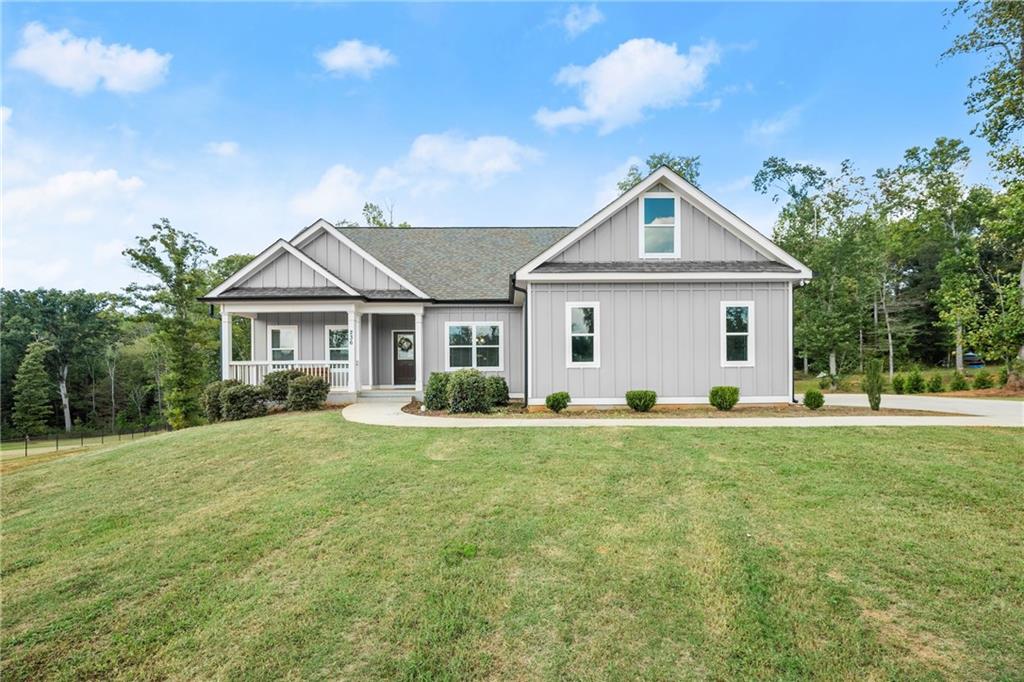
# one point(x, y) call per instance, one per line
point(608, 184)
point(69, 197)
point(81, 65)
point(339, 194)
point(5, 115)
point(640, 74)
point(481, 160)
point(769, 130)
point(108, 251)
point(354, 57)
point(579, 19)
point(225, 148)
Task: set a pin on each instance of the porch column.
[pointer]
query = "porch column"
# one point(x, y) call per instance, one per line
point(355, 378)
point(369, 349)
point(419, 350)
point(225, 343)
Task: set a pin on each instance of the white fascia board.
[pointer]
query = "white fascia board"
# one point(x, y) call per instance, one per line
point(249, 308)
point(662, 277)
point(330, 229)
point(266, 256)
point(748, 233)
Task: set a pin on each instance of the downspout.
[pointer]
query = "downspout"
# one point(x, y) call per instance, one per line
point(526, 347)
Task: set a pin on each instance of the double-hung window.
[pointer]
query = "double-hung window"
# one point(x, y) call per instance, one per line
point(284, 343)
point(737, 333)
point(474, 344)
point(582, 328)
point(337, 343)
point(659, 225)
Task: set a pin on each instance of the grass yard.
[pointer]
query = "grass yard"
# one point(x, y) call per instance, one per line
point(304, 546)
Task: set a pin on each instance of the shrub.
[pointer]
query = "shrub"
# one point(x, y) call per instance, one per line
point(435, 395)
point(1015, 376)
point(915, 382)
point(277, 383)
point(958, 382)
point(813, 399)
point(497, 391)
point(307, 392)
point(724, 397)
point(557, 402)
point(211, 398)
point(825, 382)
point(935, 383)
point(874, 383)
point(467, 392)
point(898, 384)
point(1004, 376)
point(641, 401)
point(243, 402)
point(982, 380)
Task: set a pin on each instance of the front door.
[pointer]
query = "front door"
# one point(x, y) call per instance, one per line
point(403, 351)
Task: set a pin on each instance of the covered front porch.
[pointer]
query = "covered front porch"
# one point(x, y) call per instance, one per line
point(381, 354)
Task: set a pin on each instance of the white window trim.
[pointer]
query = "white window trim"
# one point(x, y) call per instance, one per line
point(676, 230)
point(327, 341)
point(596, 305)
point(473, 323)
point(749, 362)
point(270, 341)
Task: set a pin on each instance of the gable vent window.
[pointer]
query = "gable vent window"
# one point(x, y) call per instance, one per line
point(659, 225)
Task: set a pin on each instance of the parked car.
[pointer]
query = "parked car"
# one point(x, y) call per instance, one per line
point(973, 361)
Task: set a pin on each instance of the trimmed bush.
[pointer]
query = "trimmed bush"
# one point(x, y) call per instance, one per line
point(497, 391)
point(814, 399)
point(641, 401)
point(211, 398)
point(556, 402)
point(467, 392)
point(874, 383)
point(724, 397)
point(277, 383)
point(982, 380)
point(915, 382)
point(898, 384)
point(243, 402)
point(935, 383)
point(435, 395)
point(958, 382)
point(307, 393)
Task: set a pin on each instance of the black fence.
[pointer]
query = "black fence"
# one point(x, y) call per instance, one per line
point(67, 440)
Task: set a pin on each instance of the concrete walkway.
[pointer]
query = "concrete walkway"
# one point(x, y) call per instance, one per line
point(970, 412)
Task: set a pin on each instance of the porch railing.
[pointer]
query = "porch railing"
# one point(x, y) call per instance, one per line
point(337, 374)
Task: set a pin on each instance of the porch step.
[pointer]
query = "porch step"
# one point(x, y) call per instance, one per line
point(386, 394)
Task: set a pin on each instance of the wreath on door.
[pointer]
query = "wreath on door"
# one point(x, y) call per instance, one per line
point(405, 344)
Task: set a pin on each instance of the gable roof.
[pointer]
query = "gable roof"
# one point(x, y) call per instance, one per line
point(665, 176)
point(456, 263)
point(269, 255)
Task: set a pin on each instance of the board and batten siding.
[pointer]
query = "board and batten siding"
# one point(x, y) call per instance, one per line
point(285, 271)
point(347, 265)
point(618, 239)
point(435, 342)
point(312, 338)
point(660, 336)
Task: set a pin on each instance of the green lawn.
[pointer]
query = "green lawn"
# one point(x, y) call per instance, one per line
point(302, 546)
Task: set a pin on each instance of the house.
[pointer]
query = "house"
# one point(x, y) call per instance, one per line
point(662, 289)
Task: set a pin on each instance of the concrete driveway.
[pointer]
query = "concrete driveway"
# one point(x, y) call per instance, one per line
point(969, 412)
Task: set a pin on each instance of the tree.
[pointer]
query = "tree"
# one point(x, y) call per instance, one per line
point(375, 217)
point(241, 339)
point(686, 166)
point(32, 391)
point(178, 260)
point(998, 92)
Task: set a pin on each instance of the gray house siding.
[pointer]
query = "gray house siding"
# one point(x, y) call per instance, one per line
point(346, 264)
point(311, 332)
point(285, 271)
point(661, 336)
point(617, 239)
point(435, 345)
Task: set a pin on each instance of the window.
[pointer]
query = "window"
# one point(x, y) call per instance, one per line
point(284, 343)
point(582, 344)
point(474, 344)
point(737, 336)
point(659, 225)
point(337, 343)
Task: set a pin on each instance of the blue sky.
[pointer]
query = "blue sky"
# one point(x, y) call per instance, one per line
point(245, 122)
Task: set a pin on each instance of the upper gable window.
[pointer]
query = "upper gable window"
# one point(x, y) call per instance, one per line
point(659, 225)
